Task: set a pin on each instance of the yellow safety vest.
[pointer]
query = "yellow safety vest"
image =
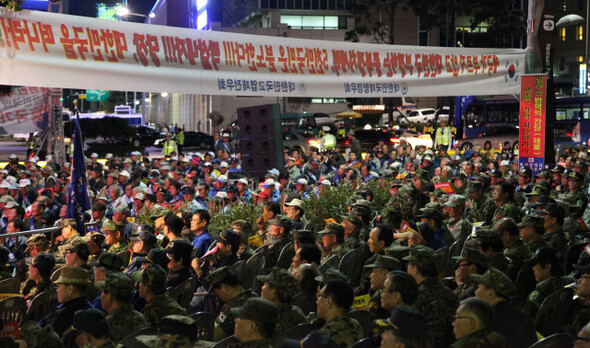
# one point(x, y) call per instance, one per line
point(442, 137)
point(341, 132)
point(329, 141)
point(169, 147)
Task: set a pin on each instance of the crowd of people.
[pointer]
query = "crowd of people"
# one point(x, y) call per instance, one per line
point(464, 253)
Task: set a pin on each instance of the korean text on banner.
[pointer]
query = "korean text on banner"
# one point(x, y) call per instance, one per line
point(531, 142)
point(55, 50)
point(24, 110)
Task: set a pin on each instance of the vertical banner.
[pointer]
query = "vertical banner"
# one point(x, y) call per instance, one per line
point(78, 201)
point(533, 102)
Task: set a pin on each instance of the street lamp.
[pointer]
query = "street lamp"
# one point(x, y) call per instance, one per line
point(124, 11)
point(574, 19)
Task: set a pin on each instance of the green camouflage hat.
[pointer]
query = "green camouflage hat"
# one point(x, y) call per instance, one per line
point(216, 277)
point(486, 234)
point(257, 309)
point(430, 213)
point(421, 255)
point(332, 228)
point(474, 186)
point(423, 175)
point(396, 183)
point(154, 277)
point(283, 221)
point(566, 200)
point(434, 205)
point(397, 251)
point(387, 262)
point(97, 237)
point(532, 221)
point(456, 201)
point(539, 190)
point(38, 239)
point(68, 222)
point(36, 336)
point(77, 244)
point(110, 227)
point(332, 274)
point(495, 279)
point(473, 256)
point(118, 284)
point(279, 278)
point(110, 261)
point(437, 193)
point(176, 328)
point(158, 213)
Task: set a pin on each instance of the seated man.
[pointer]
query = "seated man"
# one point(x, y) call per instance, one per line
point(399, 289)
point(333, 242)
point(334, 301)
point(143, 243)
point(40, 271)
point(71, 289)
point(91, 329)
point(255, 322)
point(470, 325)
point(379, 270)
point(179, 253)
point(152, 288)
point(404, 328)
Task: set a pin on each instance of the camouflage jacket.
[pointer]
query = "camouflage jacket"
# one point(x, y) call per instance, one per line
point(507, 209)
point(117, 248)
point(159, 307)
point(289, 316)
point(581, 199)
point(404, 205)
point(250, 344)
point(438, 304)
point(535, 245)
point(274, 250)
point(556, 240)
point(537, 296)
point(374, 307)
point(340, 250)
point(345, 331)
point(460, 229)
point(480, 339)
point(33, 289)
point(225, 322)
point(352, 242)
point(482, 211)
point(124, 321)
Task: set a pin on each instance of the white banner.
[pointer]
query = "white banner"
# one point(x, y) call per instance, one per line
point(24, 110)
point(53, 50)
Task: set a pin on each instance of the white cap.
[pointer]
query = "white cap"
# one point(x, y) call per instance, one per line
point(207, 164)
point(302, 181)
point(225, 135)
point(505, 163)
point(174, 158)
point(94, 155)
point(326, 128)
point(165, 168)
point(186, 160)
point(274, 171)
point(224, 165)
point(5, 184)
point(12, 156)
point(139, 195)
point(243, 181)
point(24, 183)
point(125, 174)
point(326, 182)
point(48, 157)
point(108, 156)
point(136, 153)
point(32, 159)
point(211, 153)
point(11, 179)
point(269, 183)
point(221, 194)
point(198, 154)
point(222, 178)
point(427, 158)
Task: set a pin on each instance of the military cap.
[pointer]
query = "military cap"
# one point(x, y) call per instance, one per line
point(78, 245)
point(147, 238)
point(35, 336)
point(217, 277)
point(330, 274)
point(495, 279)
point(151, 197)
point(396, 183)
point(566, 199)
point(404, 319)
point(558, 169)
point(576, 176)
point(304, 235)
point(188, 190)
point(154, 277)
point(73, 275)
point(420, 254)
point(474, 186)
point(118, 284)
point(96, 237)
point(482, 234)
point(158, 213)
point(68, 222)
point(229, 237)
point(538, 190)
point(110, 226)
point(456, 201)
point(473, 256)
point(122, 209)
point(283, 221)
point(257, 309)
point(178, 325)
point(92, 321)
point(437, 193)
point(531, 221)
point(387, 262)
point(525, 171)
point(180, 247)
point(155, 256)
point(460, 176)
point(422, 174)
point(541, 202)
point(110, 261)
point(545, 255)
point(36, 240)
point(44, 262)
point(279, 278)
point(334, 229)
point(429, 213)
point(161, 190)
point(552, 209)
point(313, 340)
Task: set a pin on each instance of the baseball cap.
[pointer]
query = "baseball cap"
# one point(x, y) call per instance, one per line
point(405, 319)
point(495, 279)
point(296, 203)
point(387, 262)
point(230, 237)
point(257, 309)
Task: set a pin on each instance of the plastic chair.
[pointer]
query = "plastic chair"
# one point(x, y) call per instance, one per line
point(364, 318)
point(296, 333)
point(331, 262)
point(131, 342)
point(9, 286)
point(254, 266)
point(183, 292)
point(554, 312)
point(42, 304)
point(352, 266)
point(364, 343)
point(125, 255)
point(559, 340)
point(237, 269)
point(224, 342)
point(306, 301)
point(454, 250)
point(55, 275)
point(13, 309)
point(286, 256)
point(205, 325)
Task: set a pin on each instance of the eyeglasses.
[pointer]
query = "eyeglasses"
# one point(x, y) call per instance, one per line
point(68, 252)
point(455, 317)
point(318, 296)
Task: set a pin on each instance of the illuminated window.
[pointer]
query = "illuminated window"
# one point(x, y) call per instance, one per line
point(563, 6)
point(562, 34)
point(311, 22)
point(580, 59)
point(580, 33)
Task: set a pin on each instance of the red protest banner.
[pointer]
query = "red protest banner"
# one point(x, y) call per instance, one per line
point(532, 122)
point(445, 186)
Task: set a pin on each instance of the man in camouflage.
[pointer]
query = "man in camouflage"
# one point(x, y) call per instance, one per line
point(228, 288)
point(576, 191)
point(333, 242)
point(458, 224)
point(531, 232)
point(152, 288)
point(114, 238)
point(471, 261)
point(279, 288)
point(470, 325)
point(91, 329)
point(514, 248)
point(554, 215)
point(277, 238)
point(176, 331)
point(407, 201)
point(379, 271)
point(35, 336)
point(480, 207)
point(95, 241)
point(352, 230)
point(263, 315)
point(117, 290)
point(503, 195)
point(40, 271)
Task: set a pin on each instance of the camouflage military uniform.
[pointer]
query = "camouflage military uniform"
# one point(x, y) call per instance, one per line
point(404, 205)
point(374, 307)
point(460, 229)
point(537, 296)
point(517, 254)
point(117, 248)
point(108, 344)
point(250, 344)
point(508, 209)
point(465, 291)
point(159, 307)
point(481, 338)
point(33, 289)
point(144, 216)
point(225, 322)
point(340, 251)
point(483, 210)
point(124, 321)
point(289, 316)
point(535, 245)
point(438, 304)
point(274, 250)
point(345, 331)
point(352, 242)
point(556, 240)
point(581, 199)
point(93, 257)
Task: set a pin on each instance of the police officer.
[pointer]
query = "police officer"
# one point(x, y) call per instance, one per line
point(328, 142)
point(169, 146)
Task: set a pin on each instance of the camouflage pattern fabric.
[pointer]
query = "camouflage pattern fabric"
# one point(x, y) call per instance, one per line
point(483, 210)
point(404, 205)
point(438, 304)
point(481, 338)
point(250, 344)
point(159, 307)
point(289, 316)
point(117, 248)
point(225, 322)
point(345, 331)
point(508, 209)
point(340, 250)
point(124, 321)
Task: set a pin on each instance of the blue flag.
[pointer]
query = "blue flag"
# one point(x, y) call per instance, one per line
point(78, 201)
point(461, 105)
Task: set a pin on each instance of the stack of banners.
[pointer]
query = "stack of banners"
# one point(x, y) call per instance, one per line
point(24, 110)
point(55, 50)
